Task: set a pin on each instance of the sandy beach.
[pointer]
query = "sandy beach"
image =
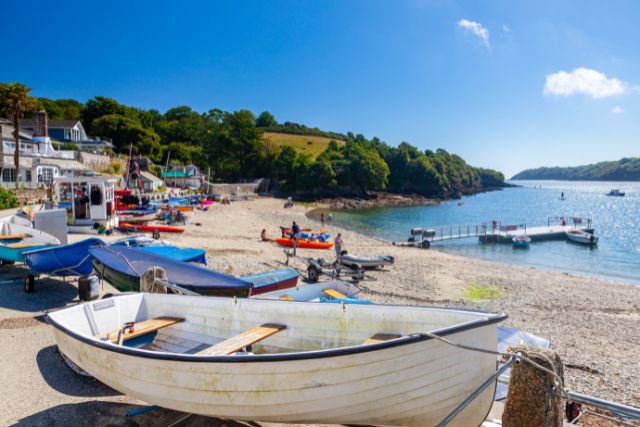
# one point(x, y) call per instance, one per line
point(593, 324)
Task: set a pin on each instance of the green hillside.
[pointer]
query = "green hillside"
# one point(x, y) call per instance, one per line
point(627, 169)
point(310, 144)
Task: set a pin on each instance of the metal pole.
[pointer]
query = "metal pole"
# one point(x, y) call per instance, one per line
point(476, 392)
point(616, 408)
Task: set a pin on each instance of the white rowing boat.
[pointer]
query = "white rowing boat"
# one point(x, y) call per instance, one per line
point(582, 237)
point(308, 363)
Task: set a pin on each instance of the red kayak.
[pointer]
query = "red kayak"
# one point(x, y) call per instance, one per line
point(151, 228)
point(304, 243)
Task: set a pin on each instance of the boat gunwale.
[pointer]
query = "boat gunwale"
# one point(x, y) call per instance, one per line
point(491, 318)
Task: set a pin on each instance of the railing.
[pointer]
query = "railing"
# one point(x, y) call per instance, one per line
point(450, 232)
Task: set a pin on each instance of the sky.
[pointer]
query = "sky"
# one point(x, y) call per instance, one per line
point(506, 85)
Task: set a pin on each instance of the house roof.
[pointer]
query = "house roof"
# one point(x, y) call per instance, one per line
point(25, 162)
point(7, 131)
point(149, 176)
point(63, 164)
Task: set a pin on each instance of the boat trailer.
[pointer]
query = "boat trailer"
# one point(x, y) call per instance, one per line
point(316, 267)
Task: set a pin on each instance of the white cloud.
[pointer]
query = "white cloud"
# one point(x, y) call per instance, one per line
point(585, 82)
point(476, 29)
point(617, 110)
point(505, 28)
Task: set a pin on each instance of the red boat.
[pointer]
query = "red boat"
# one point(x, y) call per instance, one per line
point(304, 243)
point(151, 228)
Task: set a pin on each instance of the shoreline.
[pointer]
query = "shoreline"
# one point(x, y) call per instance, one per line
point(594, 325)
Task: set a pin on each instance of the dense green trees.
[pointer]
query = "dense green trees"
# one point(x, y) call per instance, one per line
point(626, 169)
point(231, 145)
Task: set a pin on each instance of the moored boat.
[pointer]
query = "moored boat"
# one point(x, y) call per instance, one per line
point(150, 228)
point(334, 291)
point(521, 241)
point(304, 243)
point(144, 215)
point(179, 254)
point(308, 363)
point(615, 193)
point(273, 280)
point(16, 239)
point(582, 237)
point(123, 266)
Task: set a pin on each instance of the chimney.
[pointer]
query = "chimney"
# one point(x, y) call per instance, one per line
point(40, 127)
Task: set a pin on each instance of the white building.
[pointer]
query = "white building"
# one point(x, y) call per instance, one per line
point(40, 163)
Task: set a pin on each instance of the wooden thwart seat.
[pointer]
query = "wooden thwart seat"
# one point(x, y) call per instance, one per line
point(245, 339)
point(334, 294)
point(142, 328)
point(13, 236)
point(379, 337)
point(23, 245)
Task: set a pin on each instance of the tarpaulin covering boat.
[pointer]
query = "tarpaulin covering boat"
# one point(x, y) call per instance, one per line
point(365, 261)
point(309, 363)
point(273, 280)
point(180, 254)
point(122, 267)
point(66, 260)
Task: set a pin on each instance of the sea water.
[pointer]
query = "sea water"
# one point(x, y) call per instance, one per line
point(616, 221)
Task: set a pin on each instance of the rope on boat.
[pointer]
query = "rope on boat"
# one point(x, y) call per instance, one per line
point(559, 383)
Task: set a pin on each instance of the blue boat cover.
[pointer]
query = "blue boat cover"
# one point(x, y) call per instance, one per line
point(134, 262)
point(180, 254)
point(271, 277)
point(66, 260)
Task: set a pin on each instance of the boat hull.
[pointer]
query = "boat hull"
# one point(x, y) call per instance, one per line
point(151, 228)
point(66, 260)
point(415, 381)
point(304, 244)
point(17, 255)
point(272, 280)
point(582, 238)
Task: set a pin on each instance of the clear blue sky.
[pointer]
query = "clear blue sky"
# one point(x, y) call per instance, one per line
point(505, 84)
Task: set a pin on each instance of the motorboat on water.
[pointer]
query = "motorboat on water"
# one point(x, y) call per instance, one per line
point(615, 193)
point(581, 237)
point(289, 362)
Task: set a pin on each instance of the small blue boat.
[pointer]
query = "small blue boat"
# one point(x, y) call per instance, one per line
point(16, 239)
point(273, 280)
point(179, 254)
point(66, 260)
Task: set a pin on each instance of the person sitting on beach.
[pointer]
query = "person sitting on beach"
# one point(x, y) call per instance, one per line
point(337, 243)
point(263, 236)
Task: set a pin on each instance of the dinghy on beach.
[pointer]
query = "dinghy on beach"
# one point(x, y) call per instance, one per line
point(16, 239)
point(366, 261)
point(278, 361)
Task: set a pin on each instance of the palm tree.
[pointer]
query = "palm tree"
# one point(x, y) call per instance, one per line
point(14, 102)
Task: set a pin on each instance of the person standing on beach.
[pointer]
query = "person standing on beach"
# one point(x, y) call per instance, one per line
point(337, 243)
point(322, 219)
point(295, 231)
point(330, 218)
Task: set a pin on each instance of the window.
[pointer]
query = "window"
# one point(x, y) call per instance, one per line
point(47, 175)
point(67, 137)
point(28, 173)
point(8, 175)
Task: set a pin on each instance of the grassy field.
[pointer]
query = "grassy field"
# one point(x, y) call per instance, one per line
point(313, 145)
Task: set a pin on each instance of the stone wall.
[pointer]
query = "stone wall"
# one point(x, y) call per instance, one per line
point(97, 162)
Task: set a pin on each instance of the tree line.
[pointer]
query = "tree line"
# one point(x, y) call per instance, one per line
point(230, 144)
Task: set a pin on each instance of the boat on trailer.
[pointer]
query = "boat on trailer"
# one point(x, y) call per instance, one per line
point(582, 237)
point(364, 261)
point(290, 362)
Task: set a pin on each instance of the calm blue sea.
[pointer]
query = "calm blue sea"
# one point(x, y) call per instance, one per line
point(616, 221)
